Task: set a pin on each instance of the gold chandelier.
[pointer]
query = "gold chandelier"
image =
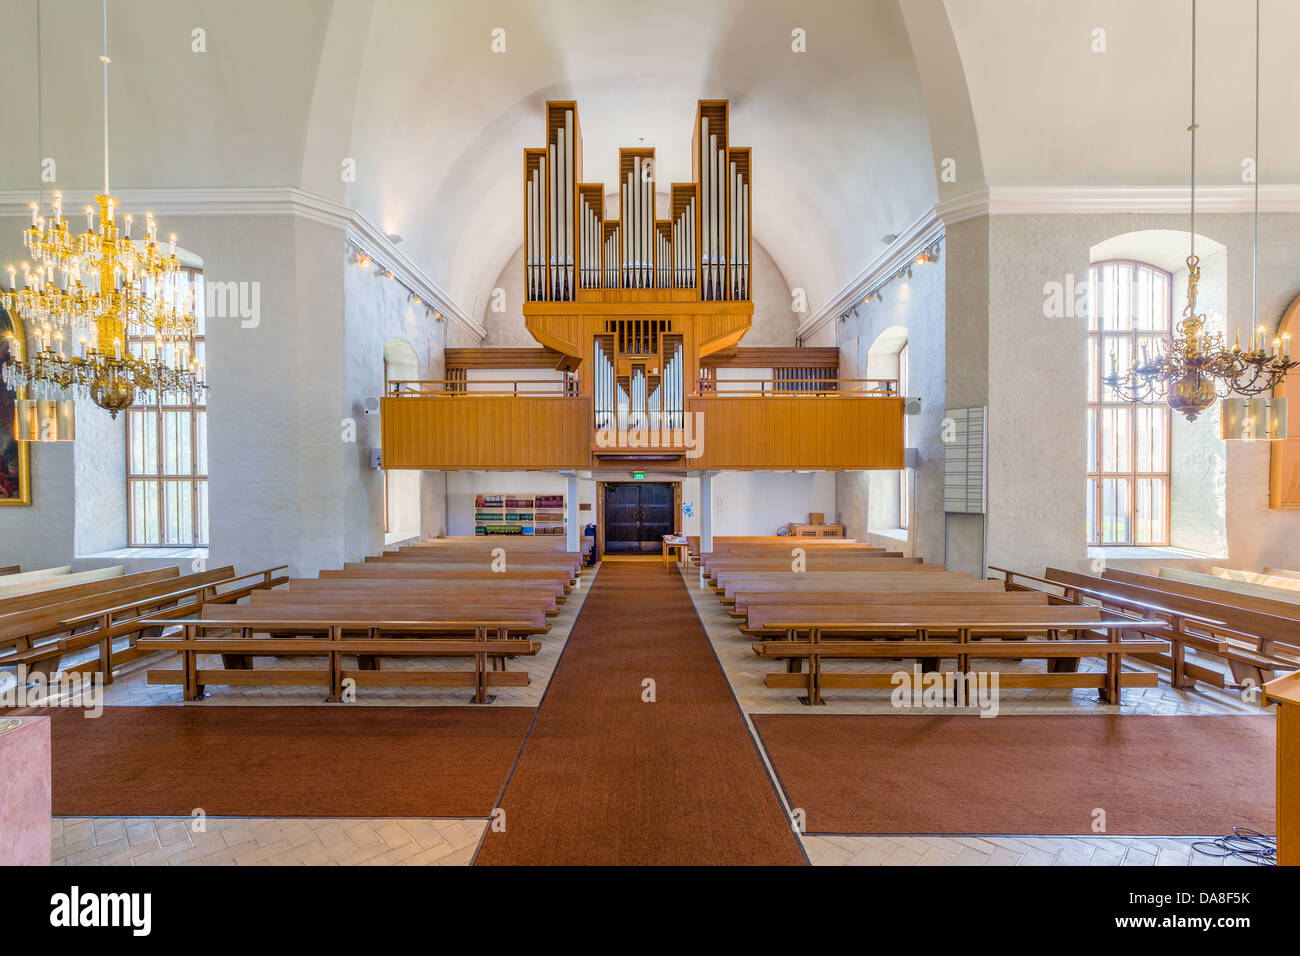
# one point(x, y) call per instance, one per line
point(1193, 369)
point(106, 311)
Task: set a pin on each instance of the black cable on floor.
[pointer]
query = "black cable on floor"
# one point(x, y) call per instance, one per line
point(1244, 844)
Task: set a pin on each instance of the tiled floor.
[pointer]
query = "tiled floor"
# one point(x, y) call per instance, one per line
point(745, 672)
point(1008, 851)
point(226, 841)
point(142, 841)
point(229, 841)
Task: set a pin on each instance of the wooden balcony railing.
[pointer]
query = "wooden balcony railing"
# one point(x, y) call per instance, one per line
point(444, 387)
point(742, 424)
point(812, 385)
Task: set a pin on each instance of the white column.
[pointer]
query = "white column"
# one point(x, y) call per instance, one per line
point(706, 519)
point(571, 516)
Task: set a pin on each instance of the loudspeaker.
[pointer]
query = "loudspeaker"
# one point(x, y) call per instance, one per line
point(911, 406)
point(370, 405)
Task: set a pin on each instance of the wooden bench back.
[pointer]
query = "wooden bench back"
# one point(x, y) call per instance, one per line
point(1202, 592)
point(26, 602)
point(915, 615)
point(51, 618)
point(755, 599)
point(1265, 626)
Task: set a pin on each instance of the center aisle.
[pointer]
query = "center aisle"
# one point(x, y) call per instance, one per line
point(607, 778)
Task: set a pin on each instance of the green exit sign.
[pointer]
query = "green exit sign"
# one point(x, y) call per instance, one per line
point(638, 476)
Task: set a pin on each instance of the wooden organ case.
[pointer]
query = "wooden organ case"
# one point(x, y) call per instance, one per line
point(634, 286)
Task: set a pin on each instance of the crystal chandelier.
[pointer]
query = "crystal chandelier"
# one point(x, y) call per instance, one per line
point(1193, 369)
point(85, 297)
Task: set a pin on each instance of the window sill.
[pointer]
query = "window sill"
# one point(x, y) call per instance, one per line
point(146, 553)
point(1127, 553)
point(895, 534)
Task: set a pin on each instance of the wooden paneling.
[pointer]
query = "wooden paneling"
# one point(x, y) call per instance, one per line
point(804, 432)
point(741, 357)
point(504, 358)
point(482, 432)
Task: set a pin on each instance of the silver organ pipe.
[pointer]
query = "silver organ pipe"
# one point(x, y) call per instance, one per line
point(744, 241)
point(552, 233)
point(561, 220)
point(636, 399)
point(647, 224)
point(706, 208)
point(720, 221)
point(732, 221)
point(626, 233)
point(570, 171)
point(691, 249)
point(530, 252)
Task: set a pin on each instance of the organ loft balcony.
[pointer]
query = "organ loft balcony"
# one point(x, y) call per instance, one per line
point(639, 322)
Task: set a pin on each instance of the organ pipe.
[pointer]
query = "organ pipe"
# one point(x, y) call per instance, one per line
point(704, 245)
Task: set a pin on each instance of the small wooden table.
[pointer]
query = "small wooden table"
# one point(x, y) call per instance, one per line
point(671, 542)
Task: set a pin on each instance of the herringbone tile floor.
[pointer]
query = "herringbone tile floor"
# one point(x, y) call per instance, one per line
point(230, 841)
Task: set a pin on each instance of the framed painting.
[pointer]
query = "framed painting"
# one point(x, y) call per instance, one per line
point(15, 465)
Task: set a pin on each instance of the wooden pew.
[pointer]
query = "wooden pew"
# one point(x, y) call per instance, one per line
point(746, 602)
point(996, 640)
point(59, 595)
point(553, 586)
point(31, 582)
point(790, 583)
point(126, 613)
point(1252, 643)
point(324, 635)
point(467, 595)
point(11, 569)
point(1202, 589)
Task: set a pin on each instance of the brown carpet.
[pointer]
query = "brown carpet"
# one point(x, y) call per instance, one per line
point(1017, 774)
point(607, 779)
point(335, 761)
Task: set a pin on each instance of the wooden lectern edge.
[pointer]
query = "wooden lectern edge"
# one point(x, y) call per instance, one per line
point(1283, 690)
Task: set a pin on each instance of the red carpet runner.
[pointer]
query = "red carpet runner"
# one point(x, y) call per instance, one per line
point(606, 778)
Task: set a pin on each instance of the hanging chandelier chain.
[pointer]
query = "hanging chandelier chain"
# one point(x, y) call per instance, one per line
point(94, 301)
point(1193, 368)
point(103, 58)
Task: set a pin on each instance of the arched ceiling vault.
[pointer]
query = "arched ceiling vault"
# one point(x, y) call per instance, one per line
point(847, 137)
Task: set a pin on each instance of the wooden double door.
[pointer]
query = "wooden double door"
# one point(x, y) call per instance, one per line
point(637, 516)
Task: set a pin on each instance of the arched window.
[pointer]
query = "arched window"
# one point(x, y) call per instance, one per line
point(167, 448)
point(1128, 442)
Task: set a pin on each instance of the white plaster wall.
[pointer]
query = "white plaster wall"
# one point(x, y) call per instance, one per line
point(1037, 467)
point(868, 500)
point(760, 502)
point(376, 309)
point(100, 460)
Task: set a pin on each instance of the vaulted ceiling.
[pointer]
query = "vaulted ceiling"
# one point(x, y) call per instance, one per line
point(846, 136)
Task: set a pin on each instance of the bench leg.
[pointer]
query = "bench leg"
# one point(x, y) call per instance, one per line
point(237, 662)
point(367, 662)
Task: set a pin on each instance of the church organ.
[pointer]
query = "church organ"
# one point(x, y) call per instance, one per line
point(703, 242)
point(637, 295)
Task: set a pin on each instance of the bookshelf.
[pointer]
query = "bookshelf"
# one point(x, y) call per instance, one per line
point(516, 513)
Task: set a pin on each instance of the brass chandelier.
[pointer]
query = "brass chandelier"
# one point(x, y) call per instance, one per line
point(1193, 369)
point(85, 297)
